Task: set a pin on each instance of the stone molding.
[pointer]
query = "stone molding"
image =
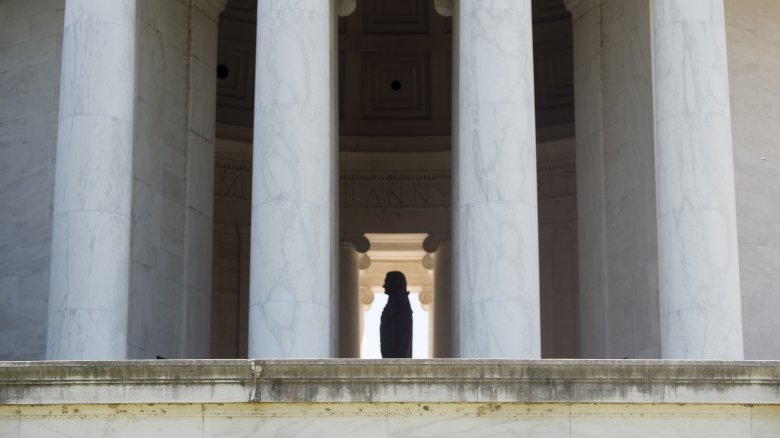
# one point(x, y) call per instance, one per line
point(359, 242)
point(445, 8)
point(233, 180)
point(390, 381)
point(345, 8)
point(395, 176)
point(544, 167)
point(366, 296)
point(236, 166)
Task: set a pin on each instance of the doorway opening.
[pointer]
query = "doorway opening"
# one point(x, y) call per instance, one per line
point(396, 252)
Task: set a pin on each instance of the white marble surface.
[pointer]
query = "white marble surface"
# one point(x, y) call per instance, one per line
point(290, 272)
point(616, 215)
point(173, 170)
point(199, 192)
point(697, 230)
point(30, 58)
point(496, 225)
point(90, 262)
point(85, 320)
point(753, 48)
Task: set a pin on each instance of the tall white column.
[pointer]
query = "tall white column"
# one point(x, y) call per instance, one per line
point(496, 231)
point(697, 231)
point(290, 275)
point(90, 260)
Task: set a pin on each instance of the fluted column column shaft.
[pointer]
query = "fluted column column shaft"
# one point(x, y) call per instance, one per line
point(90, 258)
point(290, 275)
point(697, 230)
point(496, 228)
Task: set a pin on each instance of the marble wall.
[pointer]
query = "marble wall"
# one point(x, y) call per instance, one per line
point(30, 56)
point(753, 40)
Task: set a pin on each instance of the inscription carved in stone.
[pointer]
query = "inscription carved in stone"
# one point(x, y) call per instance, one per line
point(395, 190)
point(373, 190)
point(233, 180)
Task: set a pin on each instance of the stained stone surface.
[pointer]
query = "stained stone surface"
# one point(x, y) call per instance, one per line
point(391, 398)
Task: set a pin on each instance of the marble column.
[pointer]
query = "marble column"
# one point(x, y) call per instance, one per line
point(90, 255)
point(697, 230)
point(442, 301)
point(349, 302)
point(495, 210)
point(292, 196)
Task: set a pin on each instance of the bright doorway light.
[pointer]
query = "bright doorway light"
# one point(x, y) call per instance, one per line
point(396, 252)
point(370, 349)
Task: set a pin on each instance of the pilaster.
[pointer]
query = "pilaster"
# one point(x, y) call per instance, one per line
point(199, 198)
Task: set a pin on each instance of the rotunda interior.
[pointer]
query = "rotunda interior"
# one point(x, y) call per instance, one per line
point(394, 130)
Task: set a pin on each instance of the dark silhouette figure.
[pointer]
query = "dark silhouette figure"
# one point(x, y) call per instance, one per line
point(395, 330)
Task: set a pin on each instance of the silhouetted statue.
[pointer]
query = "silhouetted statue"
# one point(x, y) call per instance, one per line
point(395, 330)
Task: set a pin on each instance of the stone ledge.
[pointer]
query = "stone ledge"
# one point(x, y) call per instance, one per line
point(390, 381)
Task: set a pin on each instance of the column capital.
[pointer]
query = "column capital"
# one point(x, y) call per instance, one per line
point(432, 242)
point(428, 261)
point(366, 296)
point(426, 297)
point(445, 8)
point(345, 8)
point(358, 240)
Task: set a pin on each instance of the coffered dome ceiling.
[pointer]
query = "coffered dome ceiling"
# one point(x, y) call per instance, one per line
point(395, 72)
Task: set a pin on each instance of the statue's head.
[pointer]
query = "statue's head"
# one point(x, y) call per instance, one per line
point(395, 281)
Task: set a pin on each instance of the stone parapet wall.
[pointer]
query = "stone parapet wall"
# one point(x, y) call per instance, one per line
point(390, 398)
point(390, 381)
